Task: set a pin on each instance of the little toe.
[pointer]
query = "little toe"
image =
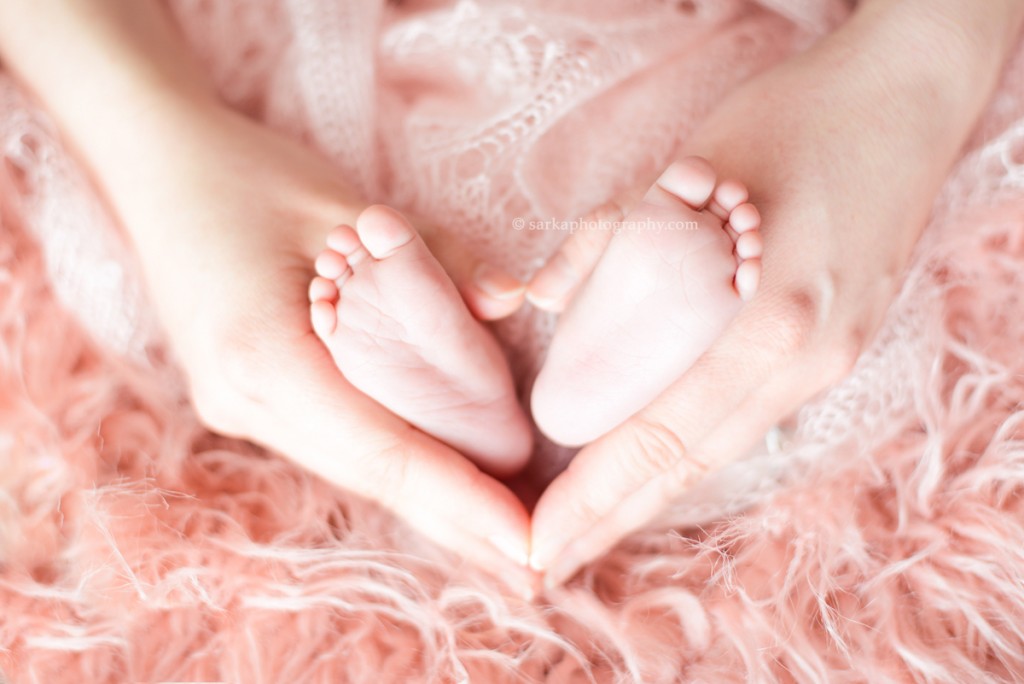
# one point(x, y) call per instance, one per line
point(330, 265)
point(744, 218)
point(322, 289)
point(748, 276)
point(728, 195)
point(691, 179)
point(324, 317)
point(749, 245)
point(383, 231)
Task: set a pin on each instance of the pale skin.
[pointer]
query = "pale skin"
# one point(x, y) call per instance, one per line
point(686, 257)
point(398, 329)
point(909, 77)
point(853, 141)
point(216, 204)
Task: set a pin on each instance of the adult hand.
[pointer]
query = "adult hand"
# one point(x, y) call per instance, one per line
point(847, 153)
point(227, 218)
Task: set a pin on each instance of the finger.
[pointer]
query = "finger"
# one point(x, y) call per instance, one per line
point(554, 285)
point(490, 293)
point(322, 422)
point(762, 410)
point(620, 482)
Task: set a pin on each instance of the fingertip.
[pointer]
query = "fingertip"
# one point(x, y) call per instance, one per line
point(515, 549)
point(545, 303)
point(552, 286)
point(492, 294)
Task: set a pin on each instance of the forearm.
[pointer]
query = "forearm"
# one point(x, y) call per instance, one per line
point(106, 70)
point(991, 27)
point(915, 75)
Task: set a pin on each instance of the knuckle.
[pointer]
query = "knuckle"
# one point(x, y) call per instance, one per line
point(791, 325)
point(230, 377)
point(583, 507)
point(843, 355)
point(655, 448)
point(583, 251)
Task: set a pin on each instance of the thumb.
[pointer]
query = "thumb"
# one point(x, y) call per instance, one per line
point(314, 416)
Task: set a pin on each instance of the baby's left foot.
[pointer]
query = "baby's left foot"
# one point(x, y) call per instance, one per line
point(400, 332)
point(659, 296)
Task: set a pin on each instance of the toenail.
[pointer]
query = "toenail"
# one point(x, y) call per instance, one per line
point(497, 283)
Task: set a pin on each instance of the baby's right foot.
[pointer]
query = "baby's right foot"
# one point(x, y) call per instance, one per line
point(399, 331)
point(661, 293)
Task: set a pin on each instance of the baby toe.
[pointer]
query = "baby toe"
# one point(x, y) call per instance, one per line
point(322, 289)
point(324, 318)
point(744, 218)
point(330, 264)
point(748, 277)
point(749, 245)
point(728, 195)
point(383, 231)
point(692, 180)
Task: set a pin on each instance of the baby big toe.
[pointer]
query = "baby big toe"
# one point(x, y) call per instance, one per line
point(383, 231)
point(691, 180)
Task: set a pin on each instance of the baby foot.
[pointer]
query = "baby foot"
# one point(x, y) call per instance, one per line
point(399, 332)
point(658, 297)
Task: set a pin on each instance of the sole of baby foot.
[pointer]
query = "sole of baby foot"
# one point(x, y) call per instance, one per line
point(686, 258)
point(400, 332)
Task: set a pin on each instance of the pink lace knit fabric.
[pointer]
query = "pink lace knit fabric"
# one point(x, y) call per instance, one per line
point(880, 541)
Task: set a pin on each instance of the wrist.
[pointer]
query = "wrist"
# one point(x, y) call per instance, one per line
point(961, 45)
point(100, 67)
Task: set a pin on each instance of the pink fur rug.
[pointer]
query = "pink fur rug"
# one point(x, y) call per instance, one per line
point(880, 540)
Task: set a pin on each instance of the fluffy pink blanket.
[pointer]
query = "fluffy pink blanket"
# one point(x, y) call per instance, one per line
point(879, 540)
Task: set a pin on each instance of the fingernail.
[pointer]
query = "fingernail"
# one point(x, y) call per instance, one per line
point(496, 282)
point(521, 582)
point(514, 549)
point(543, 303)
point(548, 289)
point(560, 571)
